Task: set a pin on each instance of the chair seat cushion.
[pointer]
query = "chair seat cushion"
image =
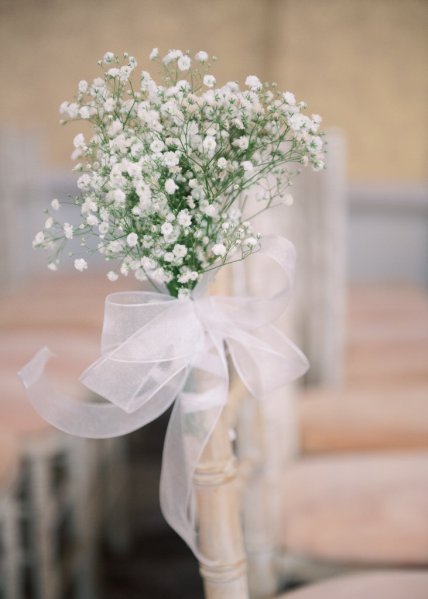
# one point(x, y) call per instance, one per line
point(364, 509)
point(374, 585)
point(363, 419)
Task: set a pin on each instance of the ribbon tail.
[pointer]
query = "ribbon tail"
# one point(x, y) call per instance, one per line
point(96, 418)
point(193, 420)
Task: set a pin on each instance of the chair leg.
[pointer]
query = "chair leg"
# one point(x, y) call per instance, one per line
point(220, 528)
point(11, 557)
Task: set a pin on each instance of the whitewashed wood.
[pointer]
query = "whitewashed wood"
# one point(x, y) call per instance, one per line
point(220, 532)
point(10, 563)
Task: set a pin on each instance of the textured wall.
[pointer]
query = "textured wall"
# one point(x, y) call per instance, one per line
point(360, 63)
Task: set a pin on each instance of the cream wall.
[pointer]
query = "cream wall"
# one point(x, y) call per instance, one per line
point(362, 64)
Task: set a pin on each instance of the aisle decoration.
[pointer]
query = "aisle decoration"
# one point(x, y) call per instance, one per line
point(168, 183)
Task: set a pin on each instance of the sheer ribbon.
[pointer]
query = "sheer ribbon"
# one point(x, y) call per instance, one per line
point(157, 350)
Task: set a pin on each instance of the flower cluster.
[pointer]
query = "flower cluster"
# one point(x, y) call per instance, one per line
point(165, 178)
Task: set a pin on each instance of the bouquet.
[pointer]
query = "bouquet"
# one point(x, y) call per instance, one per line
point(166, 175)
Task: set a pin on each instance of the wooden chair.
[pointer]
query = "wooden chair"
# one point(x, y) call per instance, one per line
point(10, 557)
point(222, 539)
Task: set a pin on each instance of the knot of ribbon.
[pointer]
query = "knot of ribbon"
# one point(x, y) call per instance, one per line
point(157, 351)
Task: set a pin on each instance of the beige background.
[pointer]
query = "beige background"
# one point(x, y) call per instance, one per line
point(362, 64)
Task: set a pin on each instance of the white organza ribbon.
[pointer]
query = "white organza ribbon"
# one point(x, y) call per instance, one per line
point(156, 350)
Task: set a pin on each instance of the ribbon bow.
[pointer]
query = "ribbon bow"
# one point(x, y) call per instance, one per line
point(156, 350)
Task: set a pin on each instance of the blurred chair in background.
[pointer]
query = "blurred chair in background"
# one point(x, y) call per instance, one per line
point(10, 558)
point(68, 493)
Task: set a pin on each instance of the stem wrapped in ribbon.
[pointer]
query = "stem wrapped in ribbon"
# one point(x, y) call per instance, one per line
point(151, 343)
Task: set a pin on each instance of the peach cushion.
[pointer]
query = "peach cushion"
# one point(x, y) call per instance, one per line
point(366, 509)
point(347, 420)
point(374, 585)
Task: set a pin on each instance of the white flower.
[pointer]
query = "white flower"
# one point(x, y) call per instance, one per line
point(251, 242)
point(170, 159)
point(109, 104)
point(132, 240)
point(154, 54)
point(222, 163)
point(247, 166)
point(80, 264)
point(170, 186)
point(287, 200)
point(209, 80)
point(83, 86)
point(184, 219)
point(183, 293)
point(209, 144)
point(52, 266)
point(297, 121)
point(167, 229)
point(39, 238)
point(289, 98)
point(253, 82)
point(219, 249)
point(108, 57)
point(68, 230)
point(179, 250)
point(201, 56)
point(55, 204)
point(242, 142)
point(114, 128)
point(48, 222)
point(84, 182)
point(157, 145)
point(92, 220)
point(184, 63)
point(79, 141)
point(103, 228)
point(172, 55)
point(112, 276)
point(84, 112)
point(118, 196)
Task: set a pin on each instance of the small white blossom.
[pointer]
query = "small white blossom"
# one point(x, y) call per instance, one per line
point(112, 276)
point(55, 204)
point(80, 264)
point(289, 98)
point(49, 222)
point(219, 249)
point(170, 186)
point(201, 56)
point(157, 145)
point(108, 57)
point(247, 166)
point(184, 219)
point(132, 240)
point(288, 199)
point(154, 54)
point(179, 250)
point(39, 238)
point(52, 266)
point(209, 144)
point(68, 231)
point(253, 82)
point(83, 86)
point(166, 229)
point(84, 112)
point(209, 80)
point(222, 163)
point(184, 63)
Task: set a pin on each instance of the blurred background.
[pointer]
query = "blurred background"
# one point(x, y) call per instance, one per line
point(69, 524)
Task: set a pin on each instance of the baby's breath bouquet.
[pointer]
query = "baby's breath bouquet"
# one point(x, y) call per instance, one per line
point(165, 178)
